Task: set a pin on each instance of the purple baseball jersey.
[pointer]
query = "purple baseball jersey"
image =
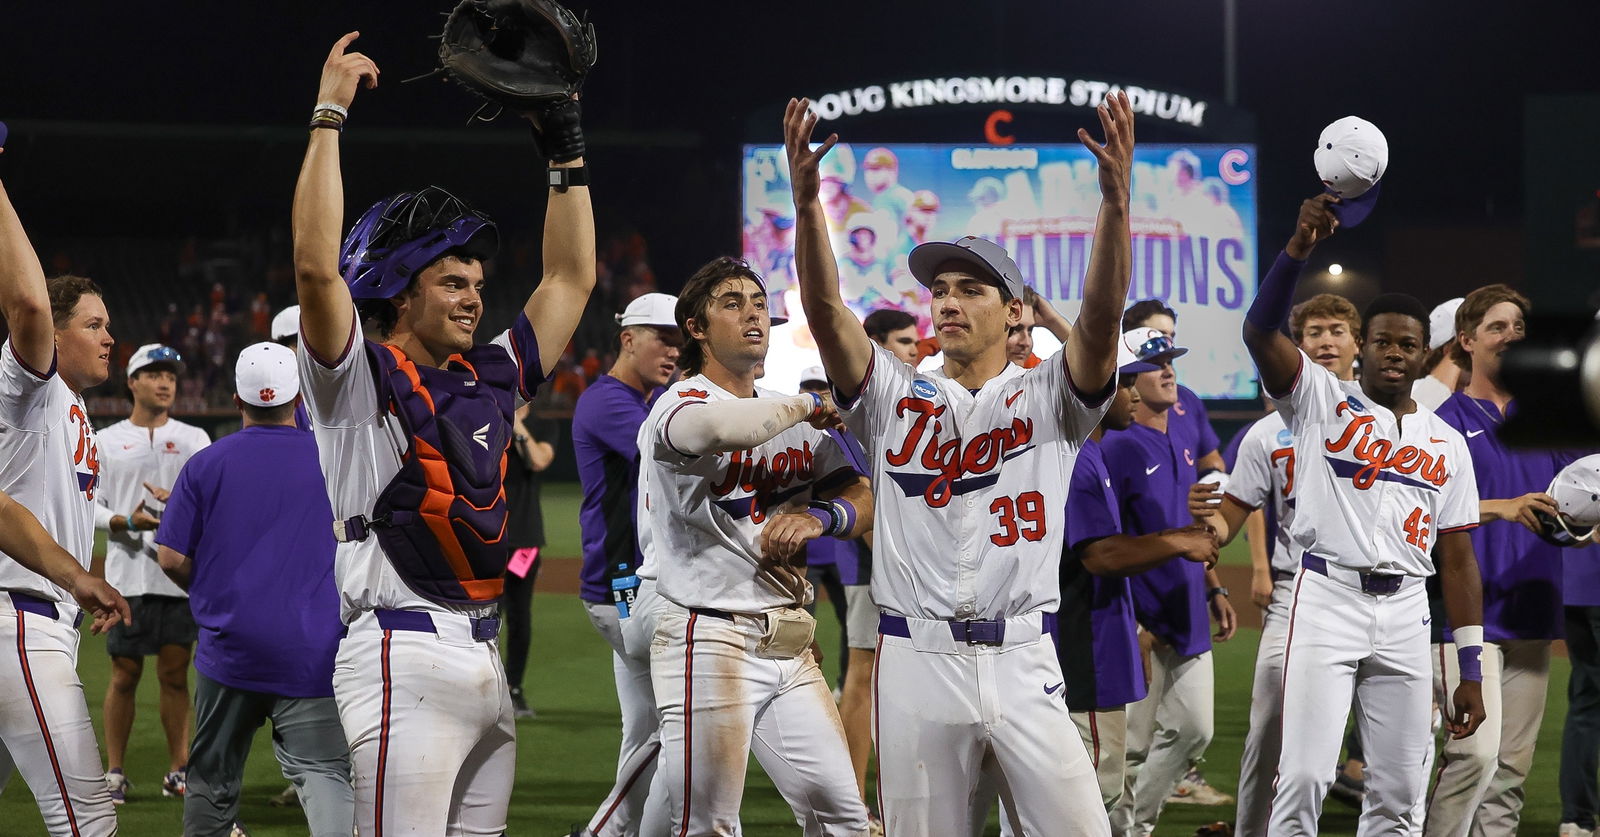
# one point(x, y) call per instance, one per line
point(1096, 638)
point(1151, 473)
point(1191, 411)
point(605, 429)
point(1522, 574)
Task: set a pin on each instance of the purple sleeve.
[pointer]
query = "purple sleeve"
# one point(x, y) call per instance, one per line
point(525, 349)
point(181, 525)
point(1208, 434)
point(596, 413)
point(1091, 507)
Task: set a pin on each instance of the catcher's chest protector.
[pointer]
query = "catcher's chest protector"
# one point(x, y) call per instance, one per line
point(444, 513)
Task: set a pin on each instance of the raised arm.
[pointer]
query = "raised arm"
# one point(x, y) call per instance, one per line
point(1046, 316)
point(741, 424)
point(555, 307)
point(1275, 354)
point(326, 309)
point(846, 350)
point(1092, 353)
point(23, 299)
point(22, 538)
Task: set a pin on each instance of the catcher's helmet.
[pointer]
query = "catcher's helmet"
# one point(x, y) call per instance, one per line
point(1576, 491)
point(400, 235)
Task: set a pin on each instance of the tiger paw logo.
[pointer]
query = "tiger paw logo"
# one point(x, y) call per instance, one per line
point(267, 394)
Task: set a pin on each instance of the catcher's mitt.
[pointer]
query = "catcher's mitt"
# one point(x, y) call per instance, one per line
point(524, 55)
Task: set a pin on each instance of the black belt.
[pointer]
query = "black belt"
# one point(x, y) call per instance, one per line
point(1378, 583)
point(1283, 575)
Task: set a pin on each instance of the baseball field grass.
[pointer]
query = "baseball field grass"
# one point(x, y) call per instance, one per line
point(567, 755)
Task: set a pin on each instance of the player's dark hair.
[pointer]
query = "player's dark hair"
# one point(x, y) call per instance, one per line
point(1143, 310)
point(1472, 311)
point(1324, 307)
point(270, 415)
point(885, 321)
point(65, 290)
point(1404, 304)
point(694, 301)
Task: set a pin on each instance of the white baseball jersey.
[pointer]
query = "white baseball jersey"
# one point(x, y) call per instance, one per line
point(360, 445)
point(130, 457)
point(1264, 473)
point(49, 463)
point(707, 511)
point(1373, 493)
point(971, 488)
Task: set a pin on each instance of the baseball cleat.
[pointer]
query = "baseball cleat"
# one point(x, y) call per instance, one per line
point(1194, 790)
point(175, 783)
point(1572, 829)
point(119, 785)
point(519, 706)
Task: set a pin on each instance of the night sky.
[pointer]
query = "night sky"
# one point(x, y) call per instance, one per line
point(1446, 83)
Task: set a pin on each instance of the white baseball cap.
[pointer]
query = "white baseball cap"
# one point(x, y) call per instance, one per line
point(155, 353)
point(1351, 157)
point(1128, 361)
point(651, 309)
point(813, 373)
point(286, 323)
point(265, 375)
point(1149, 345)
point(1442, 323)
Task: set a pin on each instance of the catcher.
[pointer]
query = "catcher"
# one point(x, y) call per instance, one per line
point(413, 431)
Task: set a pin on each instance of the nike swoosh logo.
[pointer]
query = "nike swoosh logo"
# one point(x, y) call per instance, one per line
point(1427, 619)
point(1151, 470)
point(1050, 690)
point(1473, 434)
point(129, 447)
point(1012, 398)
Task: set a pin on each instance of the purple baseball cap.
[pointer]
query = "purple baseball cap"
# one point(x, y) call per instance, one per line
point(1352, 211)
point(989, 260)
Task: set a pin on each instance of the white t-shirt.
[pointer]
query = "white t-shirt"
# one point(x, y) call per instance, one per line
point(1372, 494)
point(49, 463)
point(1264, 473)
point(706, 512)
point(360, 446)
point(970, 490)
point(131, 456)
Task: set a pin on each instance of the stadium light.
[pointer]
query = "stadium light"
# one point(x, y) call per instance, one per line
point(1335, 269)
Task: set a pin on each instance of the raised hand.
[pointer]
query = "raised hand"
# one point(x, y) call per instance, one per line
point(798, 123)
point(1115, 155)
point(1315, 224)
point(343, 72)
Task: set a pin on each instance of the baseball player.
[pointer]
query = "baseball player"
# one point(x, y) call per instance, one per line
point(1381, 487)
point(1152, 466)
point(60, 345)
point(1444, 376)
point(738, 479)
point(972, 463)
point(1327, 328)
point(605, 430)
point(286, 332)
point(1153, 313)
point(413, 434)
point(248, 522)
point(1479, 783)
point(140, 458)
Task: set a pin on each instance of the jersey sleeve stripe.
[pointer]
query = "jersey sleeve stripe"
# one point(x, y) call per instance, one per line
point(43, 376)
point(1091, 400)
point(1463, 528)
point(845, 402)
point(1238, 502)
point(334, 363)
point(1299, 371)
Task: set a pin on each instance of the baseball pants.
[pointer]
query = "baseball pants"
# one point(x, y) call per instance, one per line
point(1168, 733)
point(44, 720)
point(1580, 736)
point(1258, 764)
point(433, 742)
point(1105, 736)
point(637, 803)
point(718, 698)
point(1346, 644)
point(1479, 785)
point(947, 713)
point(306, 737)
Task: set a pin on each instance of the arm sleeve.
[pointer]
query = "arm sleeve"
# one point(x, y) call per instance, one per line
point(735, 424)
point(181, 523)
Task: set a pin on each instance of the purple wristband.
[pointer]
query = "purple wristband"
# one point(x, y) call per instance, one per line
point(1471, 659)
point(1270, 310)
point(847, 512)
point(826, 517)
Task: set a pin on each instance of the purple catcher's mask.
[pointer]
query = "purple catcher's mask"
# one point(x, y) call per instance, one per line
point(426, 225)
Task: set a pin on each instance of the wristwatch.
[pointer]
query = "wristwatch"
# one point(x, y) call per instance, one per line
point(1215, 592)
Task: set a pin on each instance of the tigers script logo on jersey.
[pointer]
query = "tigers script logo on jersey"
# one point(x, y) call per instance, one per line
point(949, 458)
point(766, 480)
point(1376, 459)
point(86, 456)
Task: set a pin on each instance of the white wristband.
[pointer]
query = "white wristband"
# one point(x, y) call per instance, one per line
point(1468, 635)
point(339, 109)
